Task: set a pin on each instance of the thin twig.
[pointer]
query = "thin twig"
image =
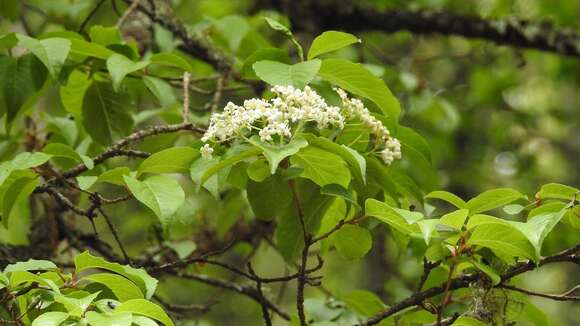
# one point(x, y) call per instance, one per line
point(217, 95)
point(558, 297)
point(115, 235)
point(186, 80)
point(127, 13)
point(89, 16)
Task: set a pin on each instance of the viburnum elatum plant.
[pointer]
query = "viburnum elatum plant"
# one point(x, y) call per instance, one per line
point(166, 174)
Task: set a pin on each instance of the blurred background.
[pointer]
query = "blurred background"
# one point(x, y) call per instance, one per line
point(494, 116)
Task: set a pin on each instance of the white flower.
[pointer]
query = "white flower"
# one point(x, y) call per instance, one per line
point(355, 108)
point(278, 118)
point(206, 151)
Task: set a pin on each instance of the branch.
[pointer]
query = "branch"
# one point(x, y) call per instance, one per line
point(250, 292)
point(568, 255)
point(348, 15)
point(558, 297)
point(117, 148)
point(194, 46)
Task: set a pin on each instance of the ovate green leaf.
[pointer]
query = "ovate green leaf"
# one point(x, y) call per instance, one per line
point(145, 308)
point(51, 51)
point(356, 79)
point(109, 109)
point(352, 241)
point(448, 197)
point(502, 238)
point(51, 318)
point(146, 283)
point(162, 194)
point(171, 160)
point(120, 66)
point(121, 286)
point(492, 199)
point(321, 166)
point(277, 73)
point(275, 154)
point(330, 41)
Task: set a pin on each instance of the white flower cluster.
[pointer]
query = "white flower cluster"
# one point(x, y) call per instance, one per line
point(356, 108)
point(289, 110)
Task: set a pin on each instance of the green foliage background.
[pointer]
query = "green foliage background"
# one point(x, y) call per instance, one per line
point(493, 116)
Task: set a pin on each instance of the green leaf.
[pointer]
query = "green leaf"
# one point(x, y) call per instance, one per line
point(114, 176)
point(321, 166)
point(502, 238)
point(363, 302)
point(487, 270)
point(514, 209)
point(170, 160)
point(448, 197)
point(352, 241)
point(52, 52)
point(428, 229)
point(89, 49)
point(51, 318)
point(120, 66)
point(333, 189)
point(28, 76)
point(144, 321)
point(233, 28)
point(492, 199)
point(109, 109)
point(62, 150)
point(390, 216)
point(86, 182)
point(121, 286)
point(537, 228)
point(558, 191)
point(235, 155)
point(118, 319)
point(105, 35)
point(76, 307)
point(468, 321)
point(162, 194)
point(17, 189)
point(162, 91)
point(145, 308)
point(270, 197)
point(258, 170)
point(22, 161)
point(170, 60)
point(146, 283)
point(31, 265)
point(272, 54)
point(67, 128)
point(199, 168)
point(281, 28)
point(411, 141)
point(275, 154)
point(73, 93)
point(330, 41)
point(182, 248)
point(277, 73)
point(356, 79)
point(354, 159)
point(8, 41)
point(314, 206)
point(455, 219)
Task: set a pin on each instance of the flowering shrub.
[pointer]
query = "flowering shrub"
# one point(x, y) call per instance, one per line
point(311, 198)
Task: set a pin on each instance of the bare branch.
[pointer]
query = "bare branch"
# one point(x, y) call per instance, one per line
point(351, 16)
